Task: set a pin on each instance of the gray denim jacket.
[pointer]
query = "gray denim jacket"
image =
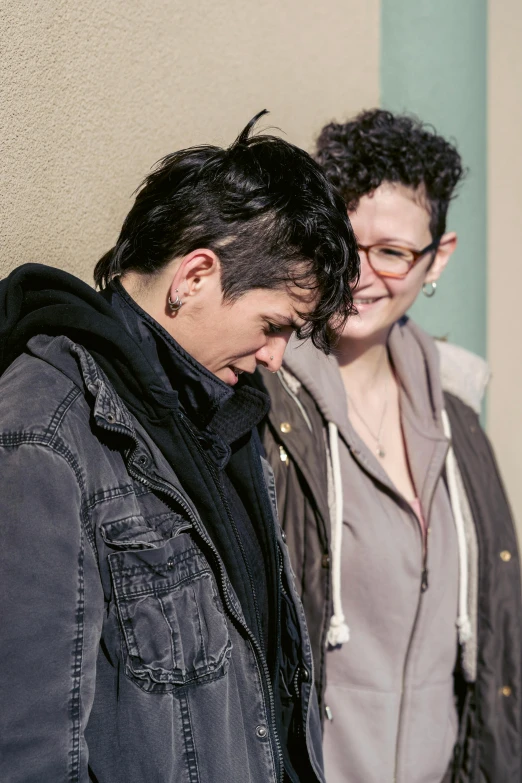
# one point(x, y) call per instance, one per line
point(125, 655)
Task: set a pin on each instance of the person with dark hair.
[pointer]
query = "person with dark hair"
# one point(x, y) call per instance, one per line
point(398, 526)
point(151, 630)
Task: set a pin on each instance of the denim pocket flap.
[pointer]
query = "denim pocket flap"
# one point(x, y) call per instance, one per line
point(137, 532)
point(173, 623)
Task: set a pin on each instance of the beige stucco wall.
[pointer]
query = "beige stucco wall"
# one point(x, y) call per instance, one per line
point(504, 256)
point(93, 93)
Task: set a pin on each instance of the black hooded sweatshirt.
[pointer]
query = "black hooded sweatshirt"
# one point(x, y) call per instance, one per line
point(202, 426)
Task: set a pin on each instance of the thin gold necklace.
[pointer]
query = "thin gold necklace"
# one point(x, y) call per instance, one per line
point(380, 451)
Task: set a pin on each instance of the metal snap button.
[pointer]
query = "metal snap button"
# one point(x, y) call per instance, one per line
point(261, 732)
point(285, 427)
point(111, 418)
point(505, 556)
point(143, 459)
point(505, 690)
point(170, 563)
point(283, 535)
point(305, 674)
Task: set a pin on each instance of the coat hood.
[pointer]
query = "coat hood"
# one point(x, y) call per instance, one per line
point(37, 299)
point(461, 372)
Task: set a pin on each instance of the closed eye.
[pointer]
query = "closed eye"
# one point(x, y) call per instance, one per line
point(386, 251)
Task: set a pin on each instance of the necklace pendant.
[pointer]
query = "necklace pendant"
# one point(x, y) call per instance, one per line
point(380, 452)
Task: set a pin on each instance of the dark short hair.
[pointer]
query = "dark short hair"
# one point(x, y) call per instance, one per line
point(378, 146)
point(264, 207)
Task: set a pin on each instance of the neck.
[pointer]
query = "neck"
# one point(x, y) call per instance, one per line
point(150, 296)
point(364, 367)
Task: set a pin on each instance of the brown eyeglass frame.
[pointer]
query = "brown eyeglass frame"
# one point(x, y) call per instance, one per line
point(417, 255)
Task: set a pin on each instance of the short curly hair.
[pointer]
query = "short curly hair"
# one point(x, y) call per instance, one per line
point(378, 146)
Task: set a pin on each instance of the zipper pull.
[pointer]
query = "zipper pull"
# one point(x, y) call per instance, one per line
point(424, 580)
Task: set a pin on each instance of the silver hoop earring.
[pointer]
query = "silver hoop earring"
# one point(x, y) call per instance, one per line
point(427, 291)
point(176, 304)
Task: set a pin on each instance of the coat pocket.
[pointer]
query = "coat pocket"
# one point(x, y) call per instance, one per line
point(174, 628)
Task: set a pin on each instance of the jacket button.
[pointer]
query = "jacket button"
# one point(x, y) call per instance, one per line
point(285, 427)
point(505, 690)
point(111, 418)
point(325, 561)
point(305, 674)
point(261, 732)
point(283, 535)
point(505, 556)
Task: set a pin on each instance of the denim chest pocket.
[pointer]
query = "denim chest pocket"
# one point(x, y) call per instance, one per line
point(174, 628)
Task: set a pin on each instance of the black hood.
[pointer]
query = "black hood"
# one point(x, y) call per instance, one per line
point(37, 299)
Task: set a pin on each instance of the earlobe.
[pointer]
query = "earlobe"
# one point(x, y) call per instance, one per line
point(175, 305)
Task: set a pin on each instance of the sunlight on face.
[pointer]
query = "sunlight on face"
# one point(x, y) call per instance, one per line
point(393, 215)
point(234, 337)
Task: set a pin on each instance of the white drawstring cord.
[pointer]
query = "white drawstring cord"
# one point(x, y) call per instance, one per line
point(463, 621)
point(338, 632)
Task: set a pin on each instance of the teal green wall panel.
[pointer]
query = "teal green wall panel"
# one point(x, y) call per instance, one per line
point(433, 64)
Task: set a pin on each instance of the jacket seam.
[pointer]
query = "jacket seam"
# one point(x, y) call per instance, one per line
point(188, 740)
point(101, 496)
point(77, 670)
point(60, 413)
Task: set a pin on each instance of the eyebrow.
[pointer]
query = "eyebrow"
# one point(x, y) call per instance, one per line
point(287, 320)
point(395, 241)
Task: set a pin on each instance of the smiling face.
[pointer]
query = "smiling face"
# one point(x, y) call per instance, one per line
point(393, 215)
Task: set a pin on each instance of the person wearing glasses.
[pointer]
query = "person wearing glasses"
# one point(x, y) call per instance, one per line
point(399, 529)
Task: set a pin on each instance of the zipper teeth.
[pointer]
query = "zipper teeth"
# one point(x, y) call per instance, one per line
point(424, 562)
point(406, 661)
point(179, 498)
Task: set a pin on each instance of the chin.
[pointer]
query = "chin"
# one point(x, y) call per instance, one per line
point(368, 332)
point(363, 329)
point(227, 375)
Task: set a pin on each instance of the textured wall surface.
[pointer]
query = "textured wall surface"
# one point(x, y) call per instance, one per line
point(93, 93)
point(433, 64)
point(504, 264)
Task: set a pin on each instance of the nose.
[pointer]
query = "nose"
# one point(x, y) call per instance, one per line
point(271, 354)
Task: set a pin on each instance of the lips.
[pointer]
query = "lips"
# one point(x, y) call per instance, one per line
point(360, 300)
